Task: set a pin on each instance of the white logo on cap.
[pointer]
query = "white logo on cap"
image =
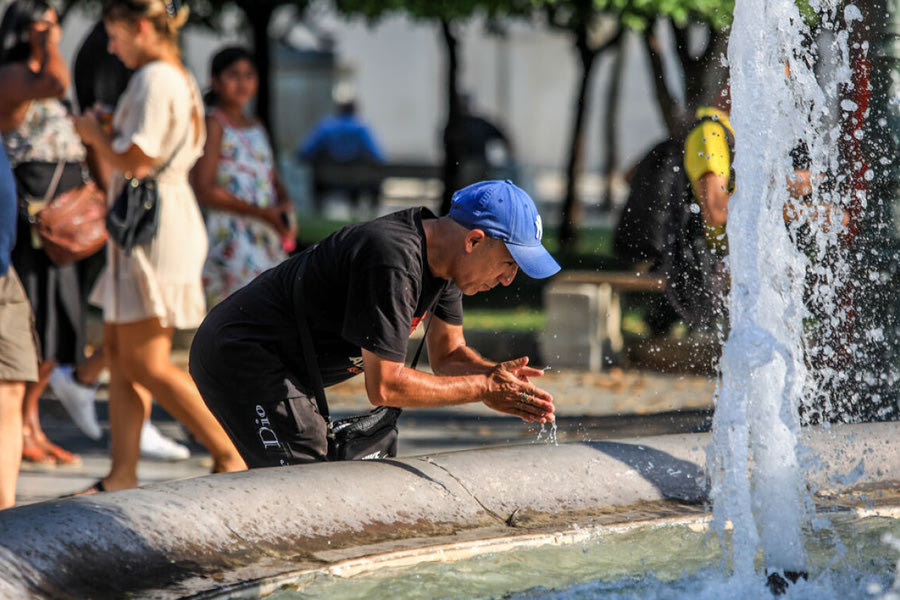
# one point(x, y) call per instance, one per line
point(540, 228)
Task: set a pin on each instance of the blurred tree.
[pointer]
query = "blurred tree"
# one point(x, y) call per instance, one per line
point(699, 41)
point(447, 14)
point(610, 136)
point(596, 26)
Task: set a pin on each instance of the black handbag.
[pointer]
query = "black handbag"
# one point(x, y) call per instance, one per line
point(362, 437)
point(365, 437)
point(133, 219)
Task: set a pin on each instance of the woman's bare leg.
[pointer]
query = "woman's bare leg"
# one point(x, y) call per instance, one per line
point(128, 408)
point(36, 446)
point(144, 352)
point(11, 395)
point(89, 371)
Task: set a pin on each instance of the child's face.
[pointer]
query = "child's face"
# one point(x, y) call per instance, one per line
point(237, 84)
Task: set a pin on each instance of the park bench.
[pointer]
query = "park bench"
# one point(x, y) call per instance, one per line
point(391, 183)
point(584, 316)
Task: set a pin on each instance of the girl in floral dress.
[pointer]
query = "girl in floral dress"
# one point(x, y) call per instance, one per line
point(249, 217)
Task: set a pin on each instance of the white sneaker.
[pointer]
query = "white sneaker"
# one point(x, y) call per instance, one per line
point(77, 399)
point(158, 447)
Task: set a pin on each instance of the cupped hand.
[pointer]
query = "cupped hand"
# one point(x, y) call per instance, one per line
point(508, 392)
point(519, 367)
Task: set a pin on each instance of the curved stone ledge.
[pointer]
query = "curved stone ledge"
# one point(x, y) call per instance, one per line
point(186, 537)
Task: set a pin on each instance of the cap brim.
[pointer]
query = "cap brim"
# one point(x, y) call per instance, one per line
point(535, 261)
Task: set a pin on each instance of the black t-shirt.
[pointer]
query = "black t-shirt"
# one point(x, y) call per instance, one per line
point(365, 286)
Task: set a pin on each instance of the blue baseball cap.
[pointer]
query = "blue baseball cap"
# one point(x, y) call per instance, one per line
point(505, 212)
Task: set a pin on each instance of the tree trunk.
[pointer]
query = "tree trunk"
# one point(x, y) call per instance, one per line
point(672, 114)
point(454, 144)
point(703, 75)
point(611, 130)
point(259, 16)
point(571, 211)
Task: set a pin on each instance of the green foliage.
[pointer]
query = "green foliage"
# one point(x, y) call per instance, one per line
point(639, 14)
point(505, 318)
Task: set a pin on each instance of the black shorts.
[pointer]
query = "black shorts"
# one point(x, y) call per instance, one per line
point(275, 425)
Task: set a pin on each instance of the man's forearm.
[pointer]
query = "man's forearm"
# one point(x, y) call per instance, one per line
point(463, 360)
point(410, 388)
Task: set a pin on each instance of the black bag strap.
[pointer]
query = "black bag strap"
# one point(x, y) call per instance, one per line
point(187, 131)
point(309, 351)
point(165, 165)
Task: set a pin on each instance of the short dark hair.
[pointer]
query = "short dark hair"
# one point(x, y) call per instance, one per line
point(19, 16)
point(227, 56)
point(346, 107)
point(223, 59)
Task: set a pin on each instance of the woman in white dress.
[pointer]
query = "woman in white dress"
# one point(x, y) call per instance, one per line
point(157, 288)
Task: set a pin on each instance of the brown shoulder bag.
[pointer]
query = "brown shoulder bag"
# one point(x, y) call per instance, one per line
point(72, 225)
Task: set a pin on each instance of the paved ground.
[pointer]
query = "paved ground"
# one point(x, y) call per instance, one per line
point(590, 406)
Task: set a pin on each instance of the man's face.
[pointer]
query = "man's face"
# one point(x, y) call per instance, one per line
point(487, 263)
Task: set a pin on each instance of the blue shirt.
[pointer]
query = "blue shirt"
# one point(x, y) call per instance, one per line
point(342, 138)
point(8, 211)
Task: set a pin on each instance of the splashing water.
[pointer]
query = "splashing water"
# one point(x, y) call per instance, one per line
point(548, 434)
point(778, 102)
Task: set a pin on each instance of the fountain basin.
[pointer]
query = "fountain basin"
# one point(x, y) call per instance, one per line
point(209, 534)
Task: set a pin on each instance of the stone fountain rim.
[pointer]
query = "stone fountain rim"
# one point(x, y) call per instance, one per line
point(194, 537)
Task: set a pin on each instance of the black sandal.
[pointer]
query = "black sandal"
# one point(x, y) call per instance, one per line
point(97, 488)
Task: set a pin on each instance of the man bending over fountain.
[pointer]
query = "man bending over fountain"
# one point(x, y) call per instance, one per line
point(355, 297)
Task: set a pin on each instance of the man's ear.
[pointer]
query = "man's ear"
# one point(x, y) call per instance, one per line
point(473, 238)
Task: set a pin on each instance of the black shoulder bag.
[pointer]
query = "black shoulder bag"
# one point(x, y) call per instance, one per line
point(362, 437)
point(133, 218)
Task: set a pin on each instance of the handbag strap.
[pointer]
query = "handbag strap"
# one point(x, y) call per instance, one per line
point(25, 200)
point(309, 352)
point(54, 182)
point(178, 148)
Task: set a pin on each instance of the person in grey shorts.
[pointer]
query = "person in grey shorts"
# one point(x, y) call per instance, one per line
point(18, 351)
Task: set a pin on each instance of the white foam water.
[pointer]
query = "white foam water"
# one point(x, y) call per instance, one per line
point(756, 459)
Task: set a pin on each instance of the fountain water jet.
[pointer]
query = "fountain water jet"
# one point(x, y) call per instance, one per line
point(757, 455)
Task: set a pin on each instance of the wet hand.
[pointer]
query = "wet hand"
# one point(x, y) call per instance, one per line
point(511, 394)
point(519, 367)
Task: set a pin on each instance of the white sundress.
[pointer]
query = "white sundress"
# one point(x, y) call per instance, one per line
point(160, 279)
